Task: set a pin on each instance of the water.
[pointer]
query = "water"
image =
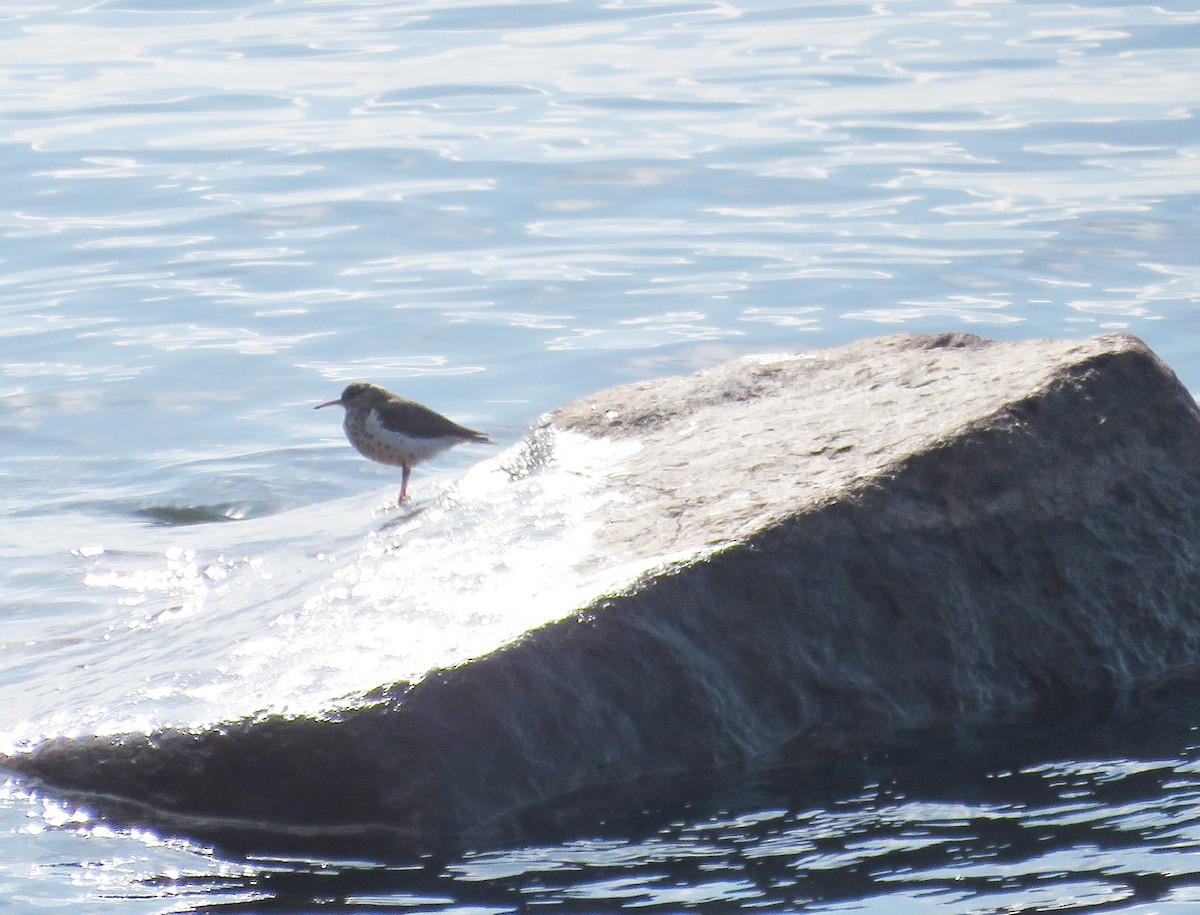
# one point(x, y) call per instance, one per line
point(216, 214)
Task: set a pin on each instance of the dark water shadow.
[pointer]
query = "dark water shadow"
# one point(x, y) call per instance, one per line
point(957, 812)
point(184, 515)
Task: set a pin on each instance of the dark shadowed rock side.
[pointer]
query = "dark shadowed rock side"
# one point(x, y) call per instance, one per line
point(899, 532)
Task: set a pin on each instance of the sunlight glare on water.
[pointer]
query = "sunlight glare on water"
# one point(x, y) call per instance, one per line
point(451, 582)
point(199, 639)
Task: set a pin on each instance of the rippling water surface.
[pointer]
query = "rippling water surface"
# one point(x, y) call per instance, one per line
point(215, 214)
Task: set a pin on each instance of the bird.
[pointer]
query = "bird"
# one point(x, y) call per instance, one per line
point(391, 429)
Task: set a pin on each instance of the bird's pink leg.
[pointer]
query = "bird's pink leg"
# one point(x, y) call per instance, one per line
point(406, 470)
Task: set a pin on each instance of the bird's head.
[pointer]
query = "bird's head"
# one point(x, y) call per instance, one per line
point(359, 393)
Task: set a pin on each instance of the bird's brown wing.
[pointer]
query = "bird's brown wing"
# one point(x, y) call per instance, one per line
point(420, 421)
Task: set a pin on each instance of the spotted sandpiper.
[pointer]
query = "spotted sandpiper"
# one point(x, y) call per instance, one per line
point(394, 430)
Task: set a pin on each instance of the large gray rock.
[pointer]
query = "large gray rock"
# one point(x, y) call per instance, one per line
point(898, 532)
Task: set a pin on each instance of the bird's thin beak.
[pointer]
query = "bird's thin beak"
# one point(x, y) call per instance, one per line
point(329, 403)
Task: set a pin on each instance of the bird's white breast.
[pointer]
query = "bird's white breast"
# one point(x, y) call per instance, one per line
point(381, 444)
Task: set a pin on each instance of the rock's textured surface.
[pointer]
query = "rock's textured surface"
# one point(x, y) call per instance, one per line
point(885, 535)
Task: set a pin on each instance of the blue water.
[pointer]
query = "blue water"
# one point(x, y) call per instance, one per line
point(215, 214)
